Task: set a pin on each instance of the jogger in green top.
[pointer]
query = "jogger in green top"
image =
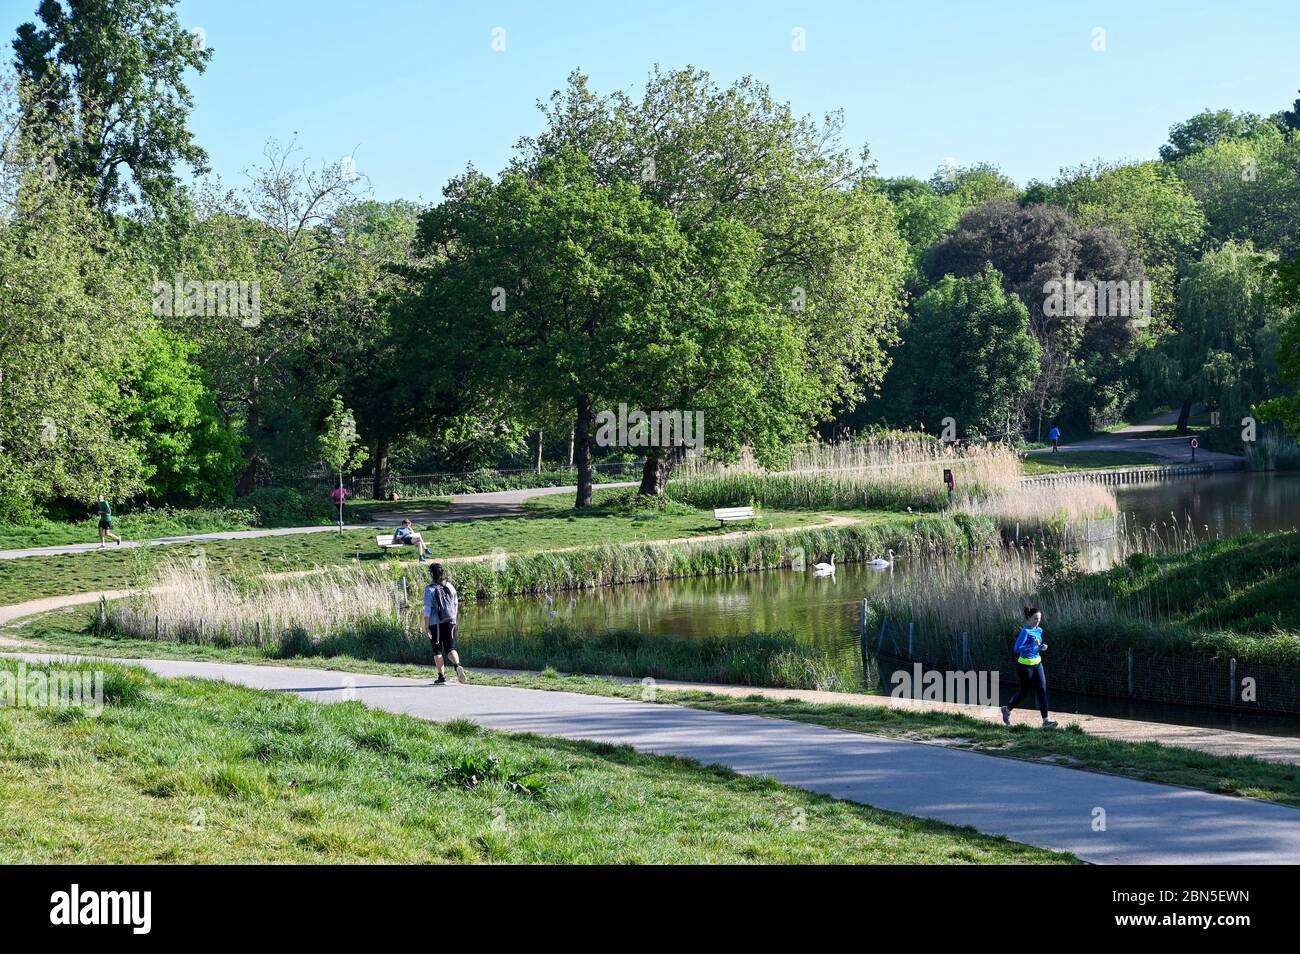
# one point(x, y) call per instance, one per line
point(106, 523)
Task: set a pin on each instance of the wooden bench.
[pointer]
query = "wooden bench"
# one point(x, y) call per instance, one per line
point(725, 514)
point(386, 543)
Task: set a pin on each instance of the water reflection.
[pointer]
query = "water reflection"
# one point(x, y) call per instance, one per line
point(824, 612)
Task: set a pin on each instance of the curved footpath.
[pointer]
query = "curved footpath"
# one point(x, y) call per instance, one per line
point(1043, 805)
point(503, 503)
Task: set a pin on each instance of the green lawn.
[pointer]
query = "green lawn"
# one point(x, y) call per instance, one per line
point(192, 771)
point(69, 632)
point(1086, 460)
point(547, 523)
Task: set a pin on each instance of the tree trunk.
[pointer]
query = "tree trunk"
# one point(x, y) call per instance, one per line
point(582, 441)
point(380, 489)
point(539, 450)
point(654, 475)
point(570, 448)
point(1184, 413)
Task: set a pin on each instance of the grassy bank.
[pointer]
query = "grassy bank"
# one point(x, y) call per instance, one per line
point(552, 523)
point(1213, 600)
point(194, 771)
point(1148, 761)
point(1086, 460)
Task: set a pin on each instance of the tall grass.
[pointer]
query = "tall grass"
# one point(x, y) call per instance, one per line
point(1076, 513)
point(368, 613)
point(1273, 450)
point(613, 564)
point(891, 474)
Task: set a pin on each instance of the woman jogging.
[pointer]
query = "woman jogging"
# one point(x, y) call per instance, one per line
point(1029, 646)
point(440, 609)
point(106, 524)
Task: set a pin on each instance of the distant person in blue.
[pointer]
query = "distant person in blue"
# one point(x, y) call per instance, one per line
point(405, 535)
point(1054, 435)
point(1029, 647)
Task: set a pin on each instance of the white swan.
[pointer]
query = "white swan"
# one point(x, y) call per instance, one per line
point(882, 564)
point(825, 569)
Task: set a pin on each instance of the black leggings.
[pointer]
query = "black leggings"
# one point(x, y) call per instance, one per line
point(1035, 676)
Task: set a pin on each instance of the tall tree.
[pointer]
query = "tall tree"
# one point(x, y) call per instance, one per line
point(1038, 251)
point(1148, 208)
point(110, 103)
point(1206, 128)
point(828, 246)
point(555, 288)
point(1225, 350)
point(967, 354)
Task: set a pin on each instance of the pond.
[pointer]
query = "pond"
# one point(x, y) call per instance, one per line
point(824, 612)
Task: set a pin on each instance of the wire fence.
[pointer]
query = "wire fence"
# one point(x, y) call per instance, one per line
point(1123, 673)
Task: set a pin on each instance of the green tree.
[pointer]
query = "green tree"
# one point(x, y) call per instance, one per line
point(1148, 208)
point(975, 185)
point(1206, 128)
point(1249, 189)
point(168, 412)
point(828, 243)
point(967, 354)
point(70, 308)
point(556, 289)
point(108, 97)
point(340, 446)
point(1039, 250)
point(1285, 409)
point(1229, 321)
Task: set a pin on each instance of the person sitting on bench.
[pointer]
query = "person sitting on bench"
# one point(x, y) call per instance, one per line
point(406, 535)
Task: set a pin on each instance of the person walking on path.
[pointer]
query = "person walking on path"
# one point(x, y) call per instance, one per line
point(1029, 648)
point(106, 523)
point(441, 606)
point(1054, 435)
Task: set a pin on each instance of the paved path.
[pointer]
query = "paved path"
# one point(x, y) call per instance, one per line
point(1137, 439)
point(1037, 804)
point(1269, 748)
point(506, 503)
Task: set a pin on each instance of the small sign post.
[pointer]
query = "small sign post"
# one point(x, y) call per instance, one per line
point(1195, 444)
point(948, 479)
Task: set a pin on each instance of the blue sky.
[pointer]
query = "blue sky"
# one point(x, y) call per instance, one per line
point(416, 89)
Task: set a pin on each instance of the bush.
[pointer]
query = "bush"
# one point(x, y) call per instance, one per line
point(286, 507)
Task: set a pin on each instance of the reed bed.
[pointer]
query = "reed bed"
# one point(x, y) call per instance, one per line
point(614, 564)
point(1273, 450)
point(889, 474)
point(1073, 514)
